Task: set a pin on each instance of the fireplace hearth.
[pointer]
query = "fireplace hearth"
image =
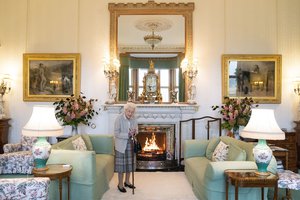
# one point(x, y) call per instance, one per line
point(158, 147)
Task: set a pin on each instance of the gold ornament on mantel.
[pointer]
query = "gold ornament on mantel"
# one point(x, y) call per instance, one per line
point(151, 92)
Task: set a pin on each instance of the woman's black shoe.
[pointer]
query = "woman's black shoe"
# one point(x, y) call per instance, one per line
point(129, 185)
point(122, 189)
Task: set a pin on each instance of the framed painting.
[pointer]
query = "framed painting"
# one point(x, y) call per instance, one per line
point(256, 76)
point(50, 77)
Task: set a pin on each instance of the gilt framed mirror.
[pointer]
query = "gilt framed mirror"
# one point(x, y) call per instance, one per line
point(140, 32)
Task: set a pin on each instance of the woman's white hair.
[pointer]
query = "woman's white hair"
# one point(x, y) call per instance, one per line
point(129, 105)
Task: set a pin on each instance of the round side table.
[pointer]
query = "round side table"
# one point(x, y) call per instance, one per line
point(56, 171)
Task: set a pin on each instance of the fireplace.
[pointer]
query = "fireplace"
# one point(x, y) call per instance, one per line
point(157, 115)
point(158, 146)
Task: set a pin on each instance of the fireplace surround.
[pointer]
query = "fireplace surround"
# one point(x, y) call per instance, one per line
point(167, 116)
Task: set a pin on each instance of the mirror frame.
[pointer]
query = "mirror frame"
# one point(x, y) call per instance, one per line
point(151, 8)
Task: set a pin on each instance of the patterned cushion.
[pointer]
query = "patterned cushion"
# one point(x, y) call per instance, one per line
point(27, 142)
point(9, 148)
point(288, 179)
point(16, 163)
point(79, 144)
point(87, 142)
point(211, 147)
point(24, 188)
point(221, 152)
point(235, 153)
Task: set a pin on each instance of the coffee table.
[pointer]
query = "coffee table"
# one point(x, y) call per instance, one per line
point(248, 178)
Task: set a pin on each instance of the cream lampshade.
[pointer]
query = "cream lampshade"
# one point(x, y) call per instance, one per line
point(42, 124)
point(262, 126)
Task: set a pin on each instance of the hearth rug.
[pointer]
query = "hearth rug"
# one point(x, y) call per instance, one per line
point(153, 186)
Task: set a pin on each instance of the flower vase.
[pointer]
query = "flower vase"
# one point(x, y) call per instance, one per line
point(236, 133)
point(74, 130)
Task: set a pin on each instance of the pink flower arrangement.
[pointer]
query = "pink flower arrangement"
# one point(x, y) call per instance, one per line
point(235, 112)
point(73, 111)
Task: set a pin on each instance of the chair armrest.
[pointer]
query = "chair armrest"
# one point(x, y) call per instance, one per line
point(215, 170)
point(83, 163)
point(194, 148)
point(103, 144)
point(16, 163)
point(8, 148)
point(24, 188)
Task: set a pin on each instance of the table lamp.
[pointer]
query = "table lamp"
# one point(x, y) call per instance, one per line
point(262, 126)
point(42, 124)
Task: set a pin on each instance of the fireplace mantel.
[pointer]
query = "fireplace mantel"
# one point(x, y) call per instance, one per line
point(153, 113)
point(156, 111)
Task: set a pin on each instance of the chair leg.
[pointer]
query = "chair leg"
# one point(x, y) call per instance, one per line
point(288, 194)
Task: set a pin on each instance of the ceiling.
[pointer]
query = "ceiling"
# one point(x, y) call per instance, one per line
point(133, 28)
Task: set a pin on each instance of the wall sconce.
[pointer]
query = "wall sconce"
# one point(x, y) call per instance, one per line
point(189, 69)
point(111, 71)
point(5, 87)
point(297, 86)
point(297, 92)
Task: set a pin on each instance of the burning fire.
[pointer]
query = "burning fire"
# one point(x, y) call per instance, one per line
point(150, 144)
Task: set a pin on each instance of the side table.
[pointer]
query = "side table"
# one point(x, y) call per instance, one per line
point(56, 171)
point(248, 178)
point(4, 126)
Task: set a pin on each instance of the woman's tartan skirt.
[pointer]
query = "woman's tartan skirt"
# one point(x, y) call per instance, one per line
point(123, 161)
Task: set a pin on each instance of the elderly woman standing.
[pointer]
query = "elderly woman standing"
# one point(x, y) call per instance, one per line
point(125, 127)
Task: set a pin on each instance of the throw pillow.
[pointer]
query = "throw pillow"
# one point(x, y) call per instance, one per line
point(221, 152)
point(66, 146)
point(79, 144)
point(87, 142)
point(235, 153)
point(211, 147)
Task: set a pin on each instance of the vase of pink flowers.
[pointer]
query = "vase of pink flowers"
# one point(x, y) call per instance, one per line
point(235, 112)
point(74, 110)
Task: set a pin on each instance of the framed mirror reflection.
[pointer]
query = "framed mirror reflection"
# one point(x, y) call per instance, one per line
point(157, 32)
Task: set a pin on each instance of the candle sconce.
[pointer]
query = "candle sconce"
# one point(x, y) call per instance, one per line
point(111, 71)
point(5, 88)
point(189, 70)
point(297, 92)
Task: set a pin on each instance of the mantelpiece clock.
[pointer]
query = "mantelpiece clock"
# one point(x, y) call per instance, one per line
point(151, 91)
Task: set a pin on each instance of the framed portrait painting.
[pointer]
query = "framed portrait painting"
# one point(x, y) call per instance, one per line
point(256, 76)
point(50, 77)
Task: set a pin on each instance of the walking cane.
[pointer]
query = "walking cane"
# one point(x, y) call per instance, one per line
point(132, 145)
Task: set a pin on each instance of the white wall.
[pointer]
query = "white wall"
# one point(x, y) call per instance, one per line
point(82, 26)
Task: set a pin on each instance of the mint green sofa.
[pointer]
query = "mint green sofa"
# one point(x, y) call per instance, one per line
point(207, 177)
point(92, 169)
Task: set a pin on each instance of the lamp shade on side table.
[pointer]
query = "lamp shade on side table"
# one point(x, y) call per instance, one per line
point(42, 124)
point(262, 126)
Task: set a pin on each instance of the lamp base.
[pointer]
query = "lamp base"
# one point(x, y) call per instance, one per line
point(262, 174)
point(41, 151)
point(263, 155)
point(40, 169)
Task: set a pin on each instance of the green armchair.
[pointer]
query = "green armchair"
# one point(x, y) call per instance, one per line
point(92, 169)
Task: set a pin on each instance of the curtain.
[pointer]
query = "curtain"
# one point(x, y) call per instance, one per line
point(181, 87)
point(159, 63)
point(123, 78)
